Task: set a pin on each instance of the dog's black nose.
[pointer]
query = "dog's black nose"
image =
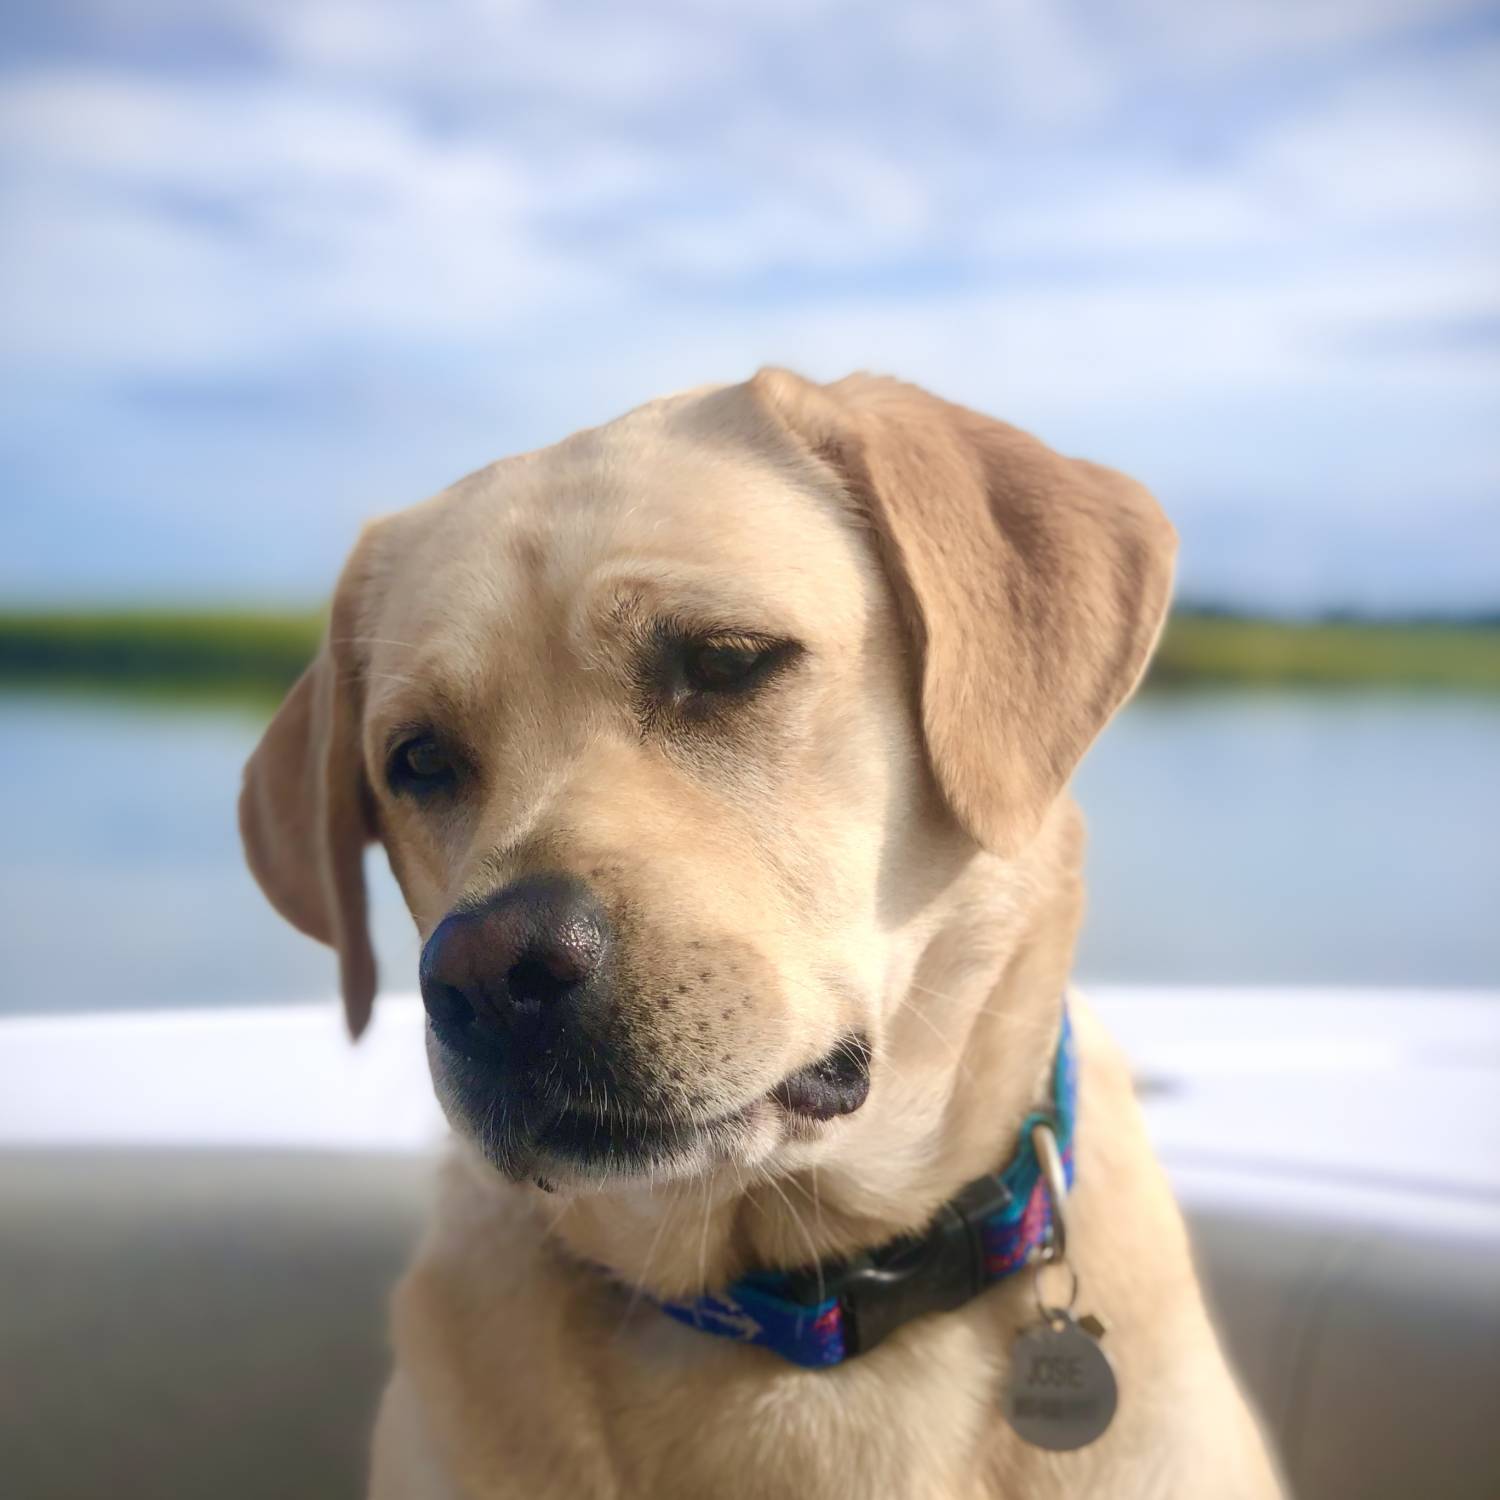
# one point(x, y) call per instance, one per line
point(528, 952)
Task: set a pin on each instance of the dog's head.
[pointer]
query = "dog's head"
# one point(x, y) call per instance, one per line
point(675, 732)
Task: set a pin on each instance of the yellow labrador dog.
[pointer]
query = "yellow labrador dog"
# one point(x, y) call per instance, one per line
point(721, 754)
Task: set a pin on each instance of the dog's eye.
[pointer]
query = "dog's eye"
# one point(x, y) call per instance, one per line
point(695, 677)
point(722, 666)
point(421, 765)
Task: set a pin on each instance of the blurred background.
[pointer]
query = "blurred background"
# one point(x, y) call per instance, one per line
point(269, 267)
point(273, 266)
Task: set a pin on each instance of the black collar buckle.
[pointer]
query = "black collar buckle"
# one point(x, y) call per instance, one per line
point(936, 1271)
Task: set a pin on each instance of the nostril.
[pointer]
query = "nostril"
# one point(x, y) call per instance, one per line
point(447, 1006)
point(533, 982)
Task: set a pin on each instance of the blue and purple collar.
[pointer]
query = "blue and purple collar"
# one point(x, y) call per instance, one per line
point(828, 1313)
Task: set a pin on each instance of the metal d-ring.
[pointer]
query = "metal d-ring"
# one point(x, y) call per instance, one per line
point(1049, 1158)
point(1053, 1313)
point(1054, 1250)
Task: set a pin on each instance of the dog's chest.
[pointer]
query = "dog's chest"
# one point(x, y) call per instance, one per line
point(901, 1422)
point(585, 1405)
point(534, 1388)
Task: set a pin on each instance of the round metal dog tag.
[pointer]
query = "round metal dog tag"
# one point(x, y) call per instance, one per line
point(1062, 1392)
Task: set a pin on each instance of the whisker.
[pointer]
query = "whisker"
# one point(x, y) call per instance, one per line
point(638, 1290)
point(932, 1026)
point(1028, 1025)
point(703, 1238)
point(1017, 1019)
point(813, 1258)
point(363, 676)
point(370, 640)
point(811, 1194)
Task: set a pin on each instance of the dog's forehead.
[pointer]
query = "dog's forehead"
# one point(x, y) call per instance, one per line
point(536, 550)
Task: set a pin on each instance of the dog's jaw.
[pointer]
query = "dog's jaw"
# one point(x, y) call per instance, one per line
point(960, 1060)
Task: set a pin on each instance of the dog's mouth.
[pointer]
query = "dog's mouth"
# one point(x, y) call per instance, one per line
point(570, 1140)
point(612, 1142)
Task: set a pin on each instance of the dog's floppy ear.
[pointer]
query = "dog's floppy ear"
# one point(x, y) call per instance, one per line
point(305, 807)
point(1035, 585)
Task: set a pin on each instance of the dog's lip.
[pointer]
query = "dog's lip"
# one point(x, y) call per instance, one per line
point(570, 1138)
point(574, 1134)
point(837, 1083)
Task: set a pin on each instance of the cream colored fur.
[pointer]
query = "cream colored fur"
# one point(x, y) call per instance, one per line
point(882, 841)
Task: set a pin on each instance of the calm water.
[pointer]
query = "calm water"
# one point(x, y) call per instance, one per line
point(1246, 838)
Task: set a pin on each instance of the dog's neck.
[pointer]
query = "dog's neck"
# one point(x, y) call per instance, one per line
point(972, 1030)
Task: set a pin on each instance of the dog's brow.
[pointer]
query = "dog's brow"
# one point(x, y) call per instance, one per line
point(400, 709)
point(628, 599)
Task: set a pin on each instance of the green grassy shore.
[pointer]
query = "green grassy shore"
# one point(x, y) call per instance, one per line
point(1203, 649)
point(255, 653)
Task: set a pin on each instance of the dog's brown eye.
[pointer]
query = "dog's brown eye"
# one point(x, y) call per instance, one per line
point(718, 667)
point(421, 765)
point(695, 678)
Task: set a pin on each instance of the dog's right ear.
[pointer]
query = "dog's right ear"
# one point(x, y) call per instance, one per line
point(305, 813)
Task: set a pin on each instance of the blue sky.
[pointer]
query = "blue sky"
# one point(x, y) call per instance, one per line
point(271, 266)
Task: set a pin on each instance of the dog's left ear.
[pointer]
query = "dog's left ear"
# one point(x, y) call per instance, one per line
point(1035, 586)
point(305, 815)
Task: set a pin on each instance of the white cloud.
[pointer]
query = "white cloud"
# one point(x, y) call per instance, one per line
point(1407, 147)
point(532, 215)
point(176, 224)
